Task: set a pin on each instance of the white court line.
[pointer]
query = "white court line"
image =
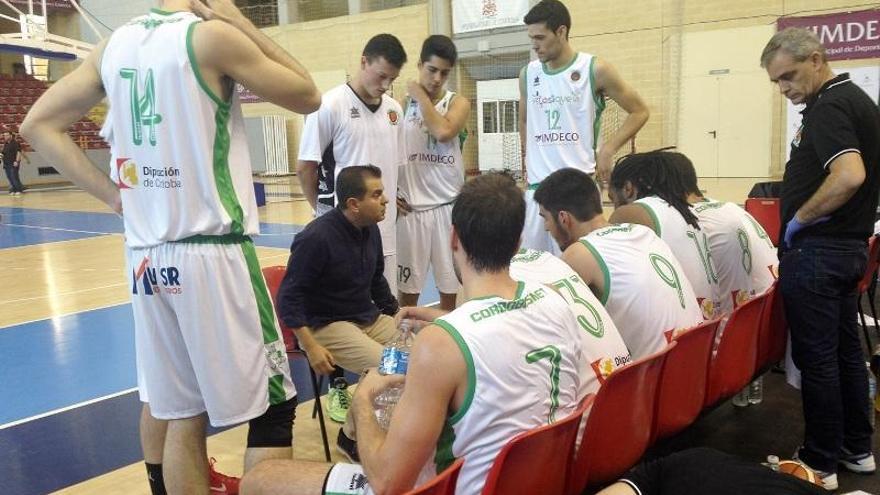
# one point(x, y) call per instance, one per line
point(58, 229)
point(64, 294)
point(76, 312)
point(68, 408)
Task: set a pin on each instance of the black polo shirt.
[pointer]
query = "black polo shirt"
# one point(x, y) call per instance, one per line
point(839, 119)
point(11, 149)
point(335, 273)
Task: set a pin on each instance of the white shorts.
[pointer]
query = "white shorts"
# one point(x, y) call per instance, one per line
point(534, 236)
point(423, 239)
point(346, 479)
point(206, 335)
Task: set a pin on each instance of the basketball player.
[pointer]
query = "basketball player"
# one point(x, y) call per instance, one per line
point(207, 346)
point(511, 359)
point(358, 124)
point(631, 271)
point(604, 348)
point(647, 191)
point(434, 173)
point(562, 95)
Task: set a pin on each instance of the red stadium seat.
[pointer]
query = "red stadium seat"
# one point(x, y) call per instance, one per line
point(682, 390)
point(735, 362)
point(443, 483)
point(766, 211)
point(618, 429)
point(774, 329)
point(547, 450)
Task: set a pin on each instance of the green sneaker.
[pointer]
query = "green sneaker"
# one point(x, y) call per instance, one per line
point(338, 400)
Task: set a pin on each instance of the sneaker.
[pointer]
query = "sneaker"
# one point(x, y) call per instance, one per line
point(221, 483)
point(857, 463)
point(338, 400)
point(348, 447)
point(829, 479)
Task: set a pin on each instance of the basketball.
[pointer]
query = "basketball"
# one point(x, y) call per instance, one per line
point(799, 470)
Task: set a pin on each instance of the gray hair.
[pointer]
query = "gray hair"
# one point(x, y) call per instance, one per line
point(800, 43)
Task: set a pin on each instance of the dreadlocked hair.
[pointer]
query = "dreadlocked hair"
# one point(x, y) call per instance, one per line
point(654, 173)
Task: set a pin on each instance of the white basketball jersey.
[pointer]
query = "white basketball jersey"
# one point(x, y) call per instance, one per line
point(562, 117)
point(346, 132)
point(691, 247)
point(525, 362)
point(646, 292)
point(603, 346)
point(434, 171)
point(742, 253)
point(178, 151)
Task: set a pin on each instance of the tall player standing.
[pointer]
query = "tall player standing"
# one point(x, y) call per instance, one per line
point(562, 95)
point(434, 131)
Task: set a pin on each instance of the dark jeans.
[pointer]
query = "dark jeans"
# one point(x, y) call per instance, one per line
point(12, 176)
point(818, 279)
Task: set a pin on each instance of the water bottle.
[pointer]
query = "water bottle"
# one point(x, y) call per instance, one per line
point(772, 462)
point(872, 394)
point(395, 359)
point(756, 391)
point(741, 399)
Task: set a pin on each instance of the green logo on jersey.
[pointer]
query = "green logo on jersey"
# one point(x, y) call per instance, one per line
point(505, 306)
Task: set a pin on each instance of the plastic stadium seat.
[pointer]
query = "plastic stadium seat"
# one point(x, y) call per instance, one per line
point(547, 450)
point(274, 275)
point(682, 390)
point(735, 362)
point(774, 330)
point(443, 483)
point(766, 211)
point(618, 429)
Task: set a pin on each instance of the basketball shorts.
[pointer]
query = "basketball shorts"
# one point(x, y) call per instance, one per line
point(423, 240)
point(206, 335)
point(534, 236)
point(346, 479)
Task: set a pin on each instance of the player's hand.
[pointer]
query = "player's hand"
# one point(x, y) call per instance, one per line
point(320, 359)
point(420, 315)
point(16, 164)
point(372, 383)
point(603, 166)
point(223, 10)
point(402, 206)
point(414, 89)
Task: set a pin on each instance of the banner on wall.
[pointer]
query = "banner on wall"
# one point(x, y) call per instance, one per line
point(846, 35)
point(51, 4)
point(477, 15)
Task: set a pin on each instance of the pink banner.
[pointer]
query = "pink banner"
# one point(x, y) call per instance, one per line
point(846, 35)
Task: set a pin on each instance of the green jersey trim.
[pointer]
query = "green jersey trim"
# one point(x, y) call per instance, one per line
point(658, 229)
point(222, 176)
point(599, 103)
point(553, 72)
point(471, 371)
point(191, 53)
point(443, 457)
point(606, 275)
point(165, 12)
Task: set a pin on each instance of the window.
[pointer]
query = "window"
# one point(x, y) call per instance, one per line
point(490, 116)
point(509, 116)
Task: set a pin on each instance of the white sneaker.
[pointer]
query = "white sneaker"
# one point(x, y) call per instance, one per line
point(857, 463)
point(829, 480)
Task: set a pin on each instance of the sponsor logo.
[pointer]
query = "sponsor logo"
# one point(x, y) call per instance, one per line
point(740, 297)
point(489, 8)
point(572, 99)
point(152, 280)
point(557, 137)
point(576, 76)
point(432, 158)
point(358, 482)
point(355, 113)
point(603, 367)
point(126, 173)
point(537, 82)
point(708, 307)
point(393, 117)
point(673, 334)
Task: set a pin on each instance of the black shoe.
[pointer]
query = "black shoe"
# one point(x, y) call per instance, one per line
point(348, 447)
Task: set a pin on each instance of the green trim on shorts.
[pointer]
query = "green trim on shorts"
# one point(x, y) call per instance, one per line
point(606, 275)
point(215, 239)
point(471, 370)
point(261, 294)
point(277, 394)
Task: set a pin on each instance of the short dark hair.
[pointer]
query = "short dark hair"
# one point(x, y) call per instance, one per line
point(352, 182)
point(488, 216)
point(439, 46)
point(653, 174)
point(570, 190)
point(551, 12)
point(386, 46)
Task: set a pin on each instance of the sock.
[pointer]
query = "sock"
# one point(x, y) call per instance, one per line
point(157, 481)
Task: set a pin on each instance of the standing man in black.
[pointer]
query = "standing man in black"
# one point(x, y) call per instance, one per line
point(12, 163)
point(829, 196)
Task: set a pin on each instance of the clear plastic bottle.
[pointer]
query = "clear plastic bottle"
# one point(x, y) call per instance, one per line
point(756, 391)
point(772, 462)
point(395, 360)
point(741, 399)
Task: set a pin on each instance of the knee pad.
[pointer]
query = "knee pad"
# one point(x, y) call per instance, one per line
point(274, 428)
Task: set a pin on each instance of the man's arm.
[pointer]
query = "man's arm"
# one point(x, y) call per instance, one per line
point(443, 127)
point(846, 175)
point(307, 173)
point(582, 261)
point(610, 84)
point(228, 44)
point(523, 105)
point(634, 213)
point(64, 103)
point(392, 461)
